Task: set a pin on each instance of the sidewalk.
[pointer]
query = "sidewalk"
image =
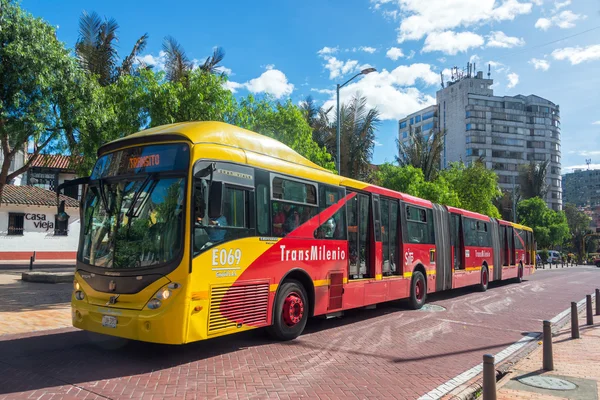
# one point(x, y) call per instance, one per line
point(575, 360)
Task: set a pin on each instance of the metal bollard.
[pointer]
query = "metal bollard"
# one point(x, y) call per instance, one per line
point(489, 377)
point(588, 309)
point(574, 321)
point(31, 263)
point(597, 301)
point(548, 359)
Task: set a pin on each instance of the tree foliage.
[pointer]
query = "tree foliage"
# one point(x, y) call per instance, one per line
point(422, 151)
point(42, 90)
point(475, 185)
point(532, 180)
point(284, 122)
point(550, 227)
point(96, 48)
point(579, 225)
point(411, 180)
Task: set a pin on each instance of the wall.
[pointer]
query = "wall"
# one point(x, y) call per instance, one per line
point(37, 238)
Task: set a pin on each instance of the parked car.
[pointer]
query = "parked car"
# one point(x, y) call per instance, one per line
point(553, 256)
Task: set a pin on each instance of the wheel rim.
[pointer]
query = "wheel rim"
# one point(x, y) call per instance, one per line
point(485, 277)
point(293, 309)
point(420, 290)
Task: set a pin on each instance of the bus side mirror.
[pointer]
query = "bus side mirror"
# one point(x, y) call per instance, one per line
point(61, 215)
point(215, 202)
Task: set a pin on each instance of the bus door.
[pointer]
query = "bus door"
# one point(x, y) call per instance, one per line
point(457, 241)
point(511, 244)
point(358, 234)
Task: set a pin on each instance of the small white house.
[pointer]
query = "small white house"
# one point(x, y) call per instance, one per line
point(28, 224)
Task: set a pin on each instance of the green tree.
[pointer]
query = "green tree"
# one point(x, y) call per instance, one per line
point(42, 90)
point(284, 122)
point(476, 186)
point(550, 227)
point(579, 225)
point(179, 66)
point(532, 180)
point(96, 48)
point(422, 151)
point(411, 180)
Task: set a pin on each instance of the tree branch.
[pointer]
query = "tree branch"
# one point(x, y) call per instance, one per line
point(30, 160)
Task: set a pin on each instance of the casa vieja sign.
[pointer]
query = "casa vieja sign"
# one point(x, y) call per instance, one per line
point(39, 221)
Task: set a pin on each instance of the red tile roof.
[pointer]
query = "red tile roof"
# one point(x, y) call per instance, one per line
point(56, 161)
point(31, 195)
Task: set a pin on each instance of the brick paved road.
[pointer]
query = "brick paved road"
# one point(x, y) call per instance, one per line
point(389, 352)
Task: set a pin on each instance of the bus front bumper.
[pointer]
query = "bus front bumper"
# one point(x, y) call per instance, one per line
point(156, 326)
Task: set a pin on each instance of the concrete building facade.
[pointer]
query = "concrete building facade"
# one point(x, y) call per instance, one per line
point(582, 187)
point(506, 131)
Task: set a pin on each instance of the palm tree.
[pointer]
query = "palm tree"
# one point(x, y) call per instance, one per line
point(318, 119)
point(178, 65)
point(96, 48)
point(357, 137)
point(422, 151)
point(532, 180)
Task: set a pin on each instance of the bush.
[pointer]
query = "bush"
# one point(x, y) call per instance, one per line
point(544, 255)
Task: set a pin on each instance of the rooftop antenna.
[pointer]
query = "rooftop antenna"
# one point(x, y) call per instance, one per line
point(588, 162)
point(442, 78)
point(489, 70)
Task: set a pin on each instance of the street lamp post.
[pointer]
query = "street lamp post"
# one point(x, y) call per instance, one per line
point(338, 155)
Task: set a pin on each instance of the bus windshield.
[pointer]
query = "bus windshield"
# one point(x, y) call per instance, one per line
point(134, 209)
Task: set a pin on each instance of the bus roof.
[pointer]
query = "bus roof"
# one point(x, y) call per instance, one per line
point(220, 133)
point(467, 213)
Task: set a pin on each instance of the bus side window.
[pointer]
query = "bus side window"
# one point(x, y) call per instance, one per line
point(262, 209)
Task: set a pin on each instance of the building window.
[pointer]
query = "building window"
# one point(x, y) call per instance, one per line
point(475, 153)
point(412, 121)
point(402, 124)
point(404, 134)
point(476, 139)
point(15, 223)
point(536, 157)
point(61, 228)
point(418, 118)
point(428, 115)
point(506, 142)
point(426, 127)
point(507, 154)
point(536, 145)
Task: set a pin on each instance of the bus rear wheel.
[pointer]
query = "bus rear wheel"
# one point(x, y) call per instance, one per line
point(290, 311)
point(418, 291)
point(485, 279)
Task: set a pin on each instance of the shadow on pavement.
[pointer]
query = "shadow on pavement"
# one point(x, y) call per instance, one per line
point(30, 296)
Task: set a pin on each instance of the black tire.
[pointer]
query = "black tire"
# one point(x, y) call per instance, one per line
point(598, 264)
point(418, 291)
point(287, 329)
point(519, 277)
point(485, 279)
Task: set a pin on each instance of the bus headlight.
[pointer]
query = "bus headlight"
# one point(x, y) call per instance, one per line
point(162, 295)
point(154, 304)
point(79, 295)
point(76, 285)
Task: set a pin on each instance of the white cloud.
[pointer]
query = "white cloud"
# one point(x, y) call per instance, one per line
point(272, 81)
point(391, 14)
point(513, 80)
point(224, 70)
point(558, 5)
point(588, 153)
point(451, 42)
point(540, 64)
point(499, 39)
point(339, 68)
point(391, 91)
point(328, 50)
point(564, 20)
point(157, 62)
point(367, 49)
point(596, 123)
point(442, 60)
point(577, 55)
point(424, 17)
point(323, 91)
point(543, 24)
point(537, 2)
point(410, 55)
point(394, 53)
point(377, 143)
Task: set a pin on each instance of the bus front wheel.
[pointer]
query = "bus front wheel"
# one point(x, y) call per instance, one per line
point(418, 291)
point(290, 311)
point(485, 278)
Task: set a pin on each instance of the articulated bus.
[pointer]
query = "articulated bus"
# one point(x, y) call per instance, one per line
point(196, 230)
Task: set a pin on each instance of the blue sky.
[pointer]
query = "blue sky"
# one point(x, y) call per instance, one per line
point(294, 49)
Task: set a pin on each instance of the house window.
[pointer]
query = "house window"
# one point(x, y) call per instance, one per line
point(15, 223)
point(61, 228)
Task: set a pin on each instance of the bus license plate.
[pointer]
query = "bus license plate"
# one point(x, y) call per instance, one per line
point(109, 322)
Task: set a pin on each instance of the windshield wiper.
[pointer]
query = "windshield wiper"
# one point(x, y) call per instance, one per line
point(103, 197)
point(132, 209)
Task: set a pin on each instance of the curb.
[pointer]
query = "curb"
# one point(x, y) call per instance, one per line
point(48, 277)
point(471, 389)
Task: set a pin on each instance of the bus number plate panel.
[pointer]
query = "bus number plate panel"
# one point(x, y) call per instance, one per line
point(109, 321)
